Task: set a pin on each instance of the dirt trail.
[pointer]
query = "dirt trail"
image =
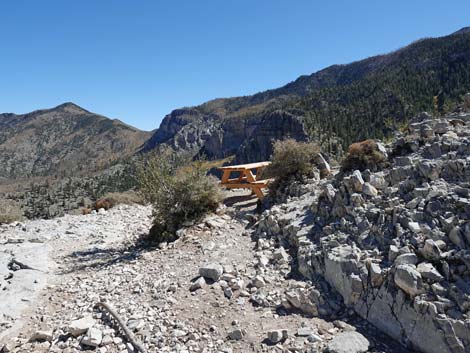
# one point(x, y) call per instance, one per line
point(99, 258)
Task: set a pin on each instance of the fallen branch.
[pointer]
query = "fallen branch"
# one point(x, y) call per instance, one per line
point(21, 265)
point(130, 336)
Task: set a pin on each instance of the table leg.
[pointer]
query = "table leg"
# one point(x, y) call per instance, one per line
point(225, 177)
point(258, 193)
point(249, 176)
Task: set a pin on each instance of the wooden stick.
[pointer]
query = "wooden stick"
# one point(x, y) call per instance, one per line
point(130, 336)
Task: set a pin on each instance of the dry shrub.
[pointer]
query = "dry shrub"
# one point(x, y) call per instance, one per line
point(179, 190)
point(10, 211)
point(86, 210)
point(291, 159)
point(125, 198)
point(364, 155)
point(103, 203)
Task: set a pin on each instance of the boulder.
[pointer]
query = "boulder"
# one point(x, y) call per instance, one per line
point(430, 250)
point(369, 190)
point(428, 271)
point(378, 181)
point(428, 169)
point(441, 127)
point(376, 275)
point(414, 227)
point(408, 279)
point(455, 236)
point(354, 182)
point(322, 165)
point(348, 342)
point(406, 259)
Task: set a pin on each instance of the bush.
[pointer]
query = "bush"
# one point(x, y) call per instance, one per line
point(364, 155)
point(103, 203)
point(10, 211)
point(179, 190)
point(124, 198)
point(291, 160)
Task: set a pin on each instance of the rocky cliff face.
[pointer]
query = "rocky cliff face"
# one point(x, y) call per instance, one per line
point(395, 244)
point(65, 140)
point(249, 139)
point(274, 126)
point(184, 129)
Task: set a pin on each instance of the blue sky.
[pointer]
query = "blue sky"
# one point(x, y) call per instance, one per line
point(138, 60)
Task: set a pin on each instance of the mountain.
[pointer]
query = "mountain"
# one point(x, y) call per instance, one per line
point(335, 106)
point(63, 141)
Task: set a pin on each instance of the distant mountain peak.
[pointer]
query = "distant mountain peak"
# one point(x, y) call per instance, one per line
point(463, 30)
point(70, 106)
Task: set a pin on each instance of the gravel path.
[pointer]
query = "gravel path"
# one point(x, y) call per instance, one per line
point(98, 257)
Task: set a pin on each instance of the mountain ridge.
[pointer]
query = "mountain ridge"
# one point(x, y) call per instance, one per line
point(398, 85)
point(334, 106)
point(63, 140)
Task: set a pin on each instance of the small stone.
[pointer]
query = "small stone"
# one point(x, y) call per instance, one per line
point(414, 227)
point(79, 327)
point(258, 282)
point(280, 255)
point(378, 181)
point(277, 336)
point(228, 292)
point(304, 332)
point(41, 336)
point(197, 284)
point(376, 276)
point(236, 335)
point(93, 337)
point(106, 340)
point(211, 271)
point(263, 261)
point(369, 190)
point(357, 181)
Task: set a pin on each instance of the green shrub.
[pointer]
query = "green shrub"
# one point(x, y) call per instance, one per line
point(364, 155)
point(291, 160)
point(179, 190)
point(10, 211)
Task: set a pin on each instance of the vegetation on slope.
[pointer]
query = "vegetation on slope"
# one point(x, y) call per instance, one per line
point(370, 98)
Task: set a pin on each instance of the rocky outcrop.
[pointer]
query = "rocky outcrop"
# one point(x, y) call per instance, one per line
point(274, 126)
point(184, 129)
point(249, 139)
point(398, 256)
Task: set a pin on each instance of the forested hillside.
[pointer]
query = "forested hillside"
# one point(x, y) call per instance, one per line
point(339, 104)
point(429, 75)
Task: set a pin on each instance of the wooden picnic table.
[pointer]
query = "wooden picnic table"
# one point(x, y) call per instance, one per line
point(246, 179)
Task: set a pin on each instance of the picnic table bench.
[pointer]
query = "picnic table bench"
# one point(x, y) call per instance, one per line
point(246, 179)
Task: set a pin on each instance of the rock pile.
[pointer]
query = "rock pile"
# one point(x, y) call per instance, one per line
point(213, 290)
point(395, 243)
